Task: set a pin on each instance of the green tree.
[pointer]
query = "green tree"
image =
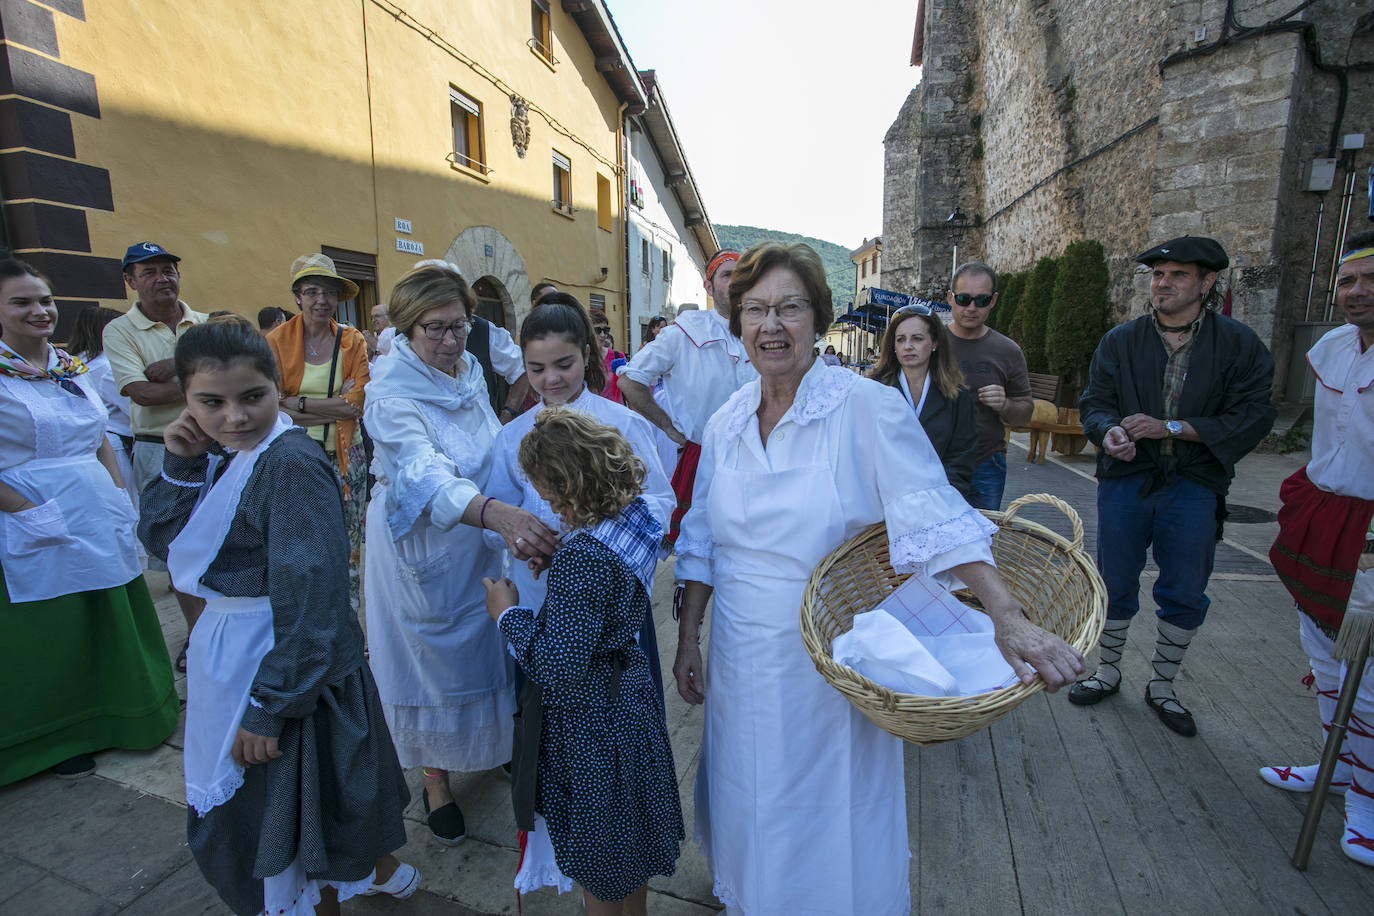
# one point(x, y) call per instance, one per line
point(1011, 288)
point(1035, 312)
point(1077, 314)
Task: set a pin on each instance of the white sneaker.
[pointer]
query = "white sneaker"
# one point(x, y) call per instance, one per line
point(404, 882)
point(1302, 779)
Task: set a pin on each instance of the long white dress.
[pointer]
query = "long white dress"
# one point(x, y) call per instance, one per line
point(800, 802)
point(510, 485)
point(444, 676)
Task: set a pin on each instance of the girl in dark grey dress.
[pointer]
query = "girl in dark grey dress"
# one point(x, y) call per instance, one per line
point(606, 786)
point(294, 791)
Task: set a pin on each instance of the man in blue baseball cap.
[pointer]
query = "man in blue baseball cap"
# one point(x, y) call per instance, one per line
point(139, 345)
point(1166, 453)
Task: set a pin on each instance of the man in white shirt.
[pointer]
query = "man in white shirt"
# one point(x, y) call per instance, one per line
point(701, 364)
point(1324, 553)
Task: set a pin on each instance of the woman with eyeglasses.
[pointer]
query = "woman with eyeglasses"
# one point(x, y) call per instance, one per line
point(916, 359)
point(324, 372)
point(443, 673)
point(84, 661)
point(800, 799)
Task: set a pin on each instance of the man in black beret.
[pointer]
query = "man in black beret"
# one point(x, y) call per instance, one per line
point(1174, 399)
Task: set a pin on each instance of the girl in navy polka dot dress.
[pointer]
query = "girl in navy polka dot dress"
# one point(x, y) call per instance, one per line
point(605, 785)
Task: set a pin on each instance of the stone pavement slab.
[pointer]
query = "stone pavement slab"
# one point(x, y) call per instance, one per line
point(1054, 809)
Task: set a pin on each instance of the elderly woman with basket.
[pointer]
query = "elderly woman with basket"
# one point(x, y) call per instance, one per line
point(800, 799)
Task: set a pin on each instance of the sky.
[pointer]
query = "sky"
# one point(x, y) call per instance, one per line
point(781, 105)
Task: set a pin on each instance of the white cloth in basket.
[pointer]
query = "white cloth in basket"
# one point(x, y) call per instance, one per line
point(924, 642)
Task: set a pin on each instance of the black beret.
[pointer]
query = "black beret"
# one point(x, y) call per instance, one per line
point(1188, 249)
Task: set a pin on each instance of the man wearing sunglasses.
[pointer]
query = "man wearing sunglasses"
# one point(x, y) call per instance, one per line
point(1174, 399)
point(994, 370)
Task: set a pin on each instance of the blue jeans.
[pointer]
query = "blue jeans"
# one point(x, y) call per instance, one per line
point(989, 480)
point(1179, 521)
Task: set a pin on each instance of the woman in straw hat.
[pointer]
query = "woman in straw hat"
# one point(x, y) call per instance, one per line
point(323, 373)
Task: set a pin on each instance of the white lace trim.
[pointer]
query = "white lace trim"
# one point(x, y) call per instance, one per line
point(722, 891)
point(204, 800)
point(406, 503)
point(911, 550)
point(60, 420)
point(189, 484)
point(705, 548)
point(823, 389)
point(455, 443)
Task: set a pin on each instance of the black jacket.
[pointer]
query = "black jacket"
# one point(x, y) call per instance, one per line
point(949, 424)
point(1225, 398)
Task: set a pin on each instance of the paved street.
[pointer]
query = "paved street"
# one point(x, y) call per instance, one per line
point(1055, 809)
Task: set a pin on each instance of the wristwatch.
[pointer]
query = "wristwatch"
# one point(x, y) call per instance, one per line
point(1173, 428)
point(300, 404)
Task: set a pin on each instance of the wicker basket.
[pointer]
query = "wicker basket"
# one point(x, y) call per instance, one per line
point(1056, 583)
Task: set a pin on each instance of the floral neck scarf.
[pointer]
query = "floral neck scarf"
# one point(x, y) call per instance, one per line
point(15, 366)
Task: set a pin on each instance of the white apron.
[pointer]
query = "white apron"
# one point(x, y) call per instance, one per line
point(227, 644)
point(228, 641)
point(79, 536)
point(800, 801)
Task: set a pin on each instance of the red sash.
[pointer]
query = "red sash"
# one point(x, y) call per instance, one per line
point(684, 478)
point(1321, 535)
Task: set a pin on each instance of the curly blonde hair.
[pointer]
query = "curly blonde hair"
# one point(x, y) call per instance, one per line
point(587, 465)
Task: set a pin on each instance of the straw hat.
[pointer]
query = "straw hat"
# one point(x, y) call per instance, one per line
point(319, 265)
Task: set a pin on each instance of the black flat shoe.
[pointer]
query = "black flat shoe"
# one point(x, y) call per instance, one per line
point(1090, 690)
point(446, 823)
point(1178, 719)
point(74, 767)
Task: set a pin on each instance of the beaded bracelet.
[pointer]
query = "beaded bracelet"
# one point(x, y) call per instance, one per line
point(482, 516)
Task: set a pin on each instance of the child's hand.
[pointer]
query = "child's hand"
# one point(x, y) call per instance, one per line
point(250, 749)
point(538, 564)
point(184, 437)
point(501, 594)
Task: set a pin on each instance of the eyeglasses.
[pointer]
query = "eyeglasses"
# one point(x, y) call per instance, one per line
point(790, 311)
point(915, 308)
point(981, 302)
point(602, 330)
point(318, 292)
point(435, 330)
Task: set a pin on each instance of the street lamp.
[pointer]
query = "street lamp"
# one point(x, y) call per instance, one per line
point(955, 221)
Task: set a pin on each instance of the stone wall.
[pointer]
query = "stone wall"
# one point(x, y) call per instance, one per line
point(1053, 120)
point(1070, 92)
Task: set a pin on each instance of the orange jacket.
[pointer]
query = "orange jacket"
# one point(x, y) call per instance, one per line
point(288, 346)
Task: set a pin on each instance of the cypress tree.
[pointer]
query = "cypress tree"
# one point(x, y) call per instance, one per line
point(1035, 312)
point(1008, 310)
point(1077, 313)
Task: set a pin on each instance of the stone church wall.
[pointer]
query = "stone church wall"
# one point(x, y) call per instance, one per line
point(1046, 121)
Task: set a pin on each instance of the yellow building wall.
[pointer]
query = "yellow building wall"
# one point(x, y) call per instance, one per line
point(240, 135)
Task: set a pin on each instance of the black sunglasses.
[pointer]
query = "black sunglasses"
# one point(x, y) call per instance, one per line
point(982, 301)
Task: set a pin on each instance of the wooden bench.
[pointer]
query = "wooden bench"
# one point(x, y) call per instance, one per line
point(1066, 433)
point(1044, 387)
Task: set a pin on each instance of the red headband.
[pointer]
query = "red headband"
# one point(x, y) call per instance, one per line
point(718, 260)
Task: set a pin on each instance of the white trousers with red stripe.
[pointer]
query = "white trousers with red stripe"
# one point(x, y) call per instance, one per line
point(1329, 675)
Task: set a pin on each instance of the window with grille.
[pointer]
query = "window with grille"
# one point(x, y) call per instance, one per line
point(467, 130)
point(541, 29)
point(562, 182)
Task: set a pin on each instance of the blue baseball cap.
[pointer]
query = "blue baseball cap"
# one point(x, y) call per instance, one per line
point(145, 251)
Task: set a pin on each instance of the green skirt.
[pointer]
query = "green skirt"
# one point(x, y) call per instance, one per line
point(82, 673)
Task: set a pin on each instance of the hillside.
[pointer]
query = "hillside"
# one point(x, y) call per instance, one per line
point(839, 270)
